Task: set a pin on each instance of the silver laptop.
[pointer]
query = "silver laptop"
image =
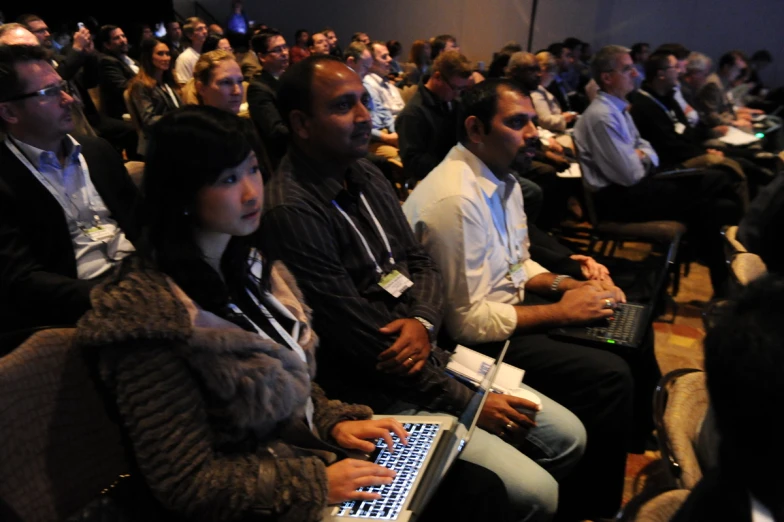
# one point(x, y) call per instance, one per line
point(434, 444)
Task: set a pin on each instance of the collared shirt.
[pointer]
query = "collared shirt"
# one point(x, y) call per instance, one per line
point(303, 228)
point(183, 68)
point(759, 513)
point(548, 112)
point(130, 63)
point(72, 188)
point(692, 115)
point(607, 139)
point(387, 103)
point(474, 226)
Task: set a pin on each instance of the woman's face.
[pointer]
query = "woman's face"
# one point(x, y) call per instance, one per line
point(224, 90)
point(161, 58)
point(232, 205)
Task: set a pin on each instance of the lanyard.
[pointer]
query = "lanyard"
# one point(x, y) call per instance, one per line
point(669, 112)
point(504, 234)
point(167, 91)
point(362, 238)
point(64, 202)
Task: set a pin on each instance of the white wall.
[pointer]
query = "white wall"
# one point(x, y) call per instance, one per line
point(482, 26)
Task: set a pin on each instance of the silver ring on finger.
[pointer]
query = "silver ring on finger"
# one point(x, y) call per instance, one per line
point(608, 303)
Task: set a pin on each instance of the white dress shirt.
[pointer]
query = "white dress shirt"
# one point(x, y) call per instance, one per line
point(474, 226)
point(183, 68)
point(82, 205)
point(389, 95)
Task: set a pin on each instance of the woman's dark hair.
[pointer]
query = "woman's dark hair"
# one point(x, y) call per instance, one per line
point(146, 73)
point(394, 47)
point(188, 150)
point(211, 43)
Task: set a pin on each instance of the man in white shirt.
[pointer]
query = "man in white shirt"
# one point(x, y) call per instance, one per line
point(65, 206)
point(468, 213)
point(387, 103)
point(195, 31)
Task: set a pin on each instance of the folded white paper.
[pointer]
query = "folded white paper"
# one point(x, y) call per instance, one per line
point(473, 366)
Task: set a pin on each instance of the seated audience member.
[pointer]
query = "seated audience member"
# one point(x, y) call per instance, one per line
point(215, 30)
point(743, 366)
point(173, 39)
point(358, 57)
point(419, 62)
point(387, 103)
point(468, 213)
point(77, 65)
point(640, 53)
point(318, 44)
point(760, 229)
point(153, 92)
point(299, 51)
point(395, 49)
point(337, 224)
point(332, 40)
point(65, 206)
point(558, 87)
point(681, 54)
point(214, 42)
point(361, 38)
point(716, 94)
point(426, 126)
point(195, 33)
point(273, 55)
point(228, 351)
point(441, 44)
point(696, 71)
point(572, 76)
point(217, 82)
point(500, 60)
point(116, 70)
point(548, 111)
point(618, 164)
point(238, 23)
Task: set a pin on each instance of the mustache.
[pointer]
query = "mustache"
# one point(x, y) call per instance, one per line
point(363, 127)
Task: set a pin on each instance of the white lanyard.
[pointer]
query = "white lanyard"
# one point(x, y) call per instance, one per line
point(172, 97)
point(505, 234)
point(64, 202)
point(669, 112)
point(362, 238)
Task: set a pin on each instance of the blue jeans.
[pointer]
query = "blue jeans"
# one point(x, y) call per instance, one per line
point(553, 448)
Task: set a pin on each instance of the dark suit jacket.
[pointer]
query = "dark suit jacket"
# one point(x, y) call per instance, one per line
point(560, 91)
point(263, 108)
point(114, 77)
point(149, 104)
point(38, 279)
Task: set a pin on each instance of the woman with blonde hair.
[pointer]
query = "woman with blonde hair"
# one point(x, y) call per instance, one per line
point(217, 82)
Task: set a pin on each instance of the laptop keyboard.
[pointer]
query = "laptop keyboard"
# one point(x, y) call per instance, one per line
point(622, 325)
point(407, 462)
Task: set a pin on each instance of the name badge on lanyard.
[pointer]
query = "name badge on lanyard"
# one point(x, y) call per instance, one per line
point(393, 281)
point(518, 275)
point(679, 127)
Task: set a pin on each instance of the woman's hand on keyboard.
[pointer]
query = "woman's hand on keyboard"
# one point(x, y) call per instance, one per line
point(358, 434)
point(348, 475)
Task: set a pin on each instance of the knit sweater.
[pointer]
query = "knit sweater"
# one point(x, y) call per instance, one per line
point(215, 414)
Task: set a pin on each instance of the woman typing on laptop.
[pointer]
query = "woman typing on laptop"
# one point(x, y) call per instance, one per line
point(208, 353)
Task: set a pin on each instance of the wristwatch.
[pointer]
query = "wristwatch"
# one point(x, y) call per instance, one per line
point(557, 282)
point(431, 330)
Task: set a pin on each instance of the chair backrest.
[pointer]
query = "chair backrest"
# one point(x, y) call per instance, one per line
point(680, 406)
point(745, 266)
point(141, 147)
point(95, 96)
point(590, 206)
point(59, 448)
point(660, 508)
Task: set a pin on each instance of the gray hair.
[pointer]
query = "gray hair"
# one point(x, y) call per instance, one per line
point(519, 60)
point(605, 60)
point(698, 62)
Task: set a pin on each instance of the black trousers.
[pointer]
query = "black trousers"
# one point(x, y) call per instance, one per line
point(704, 203)
point(610, 394)
point(469, 493)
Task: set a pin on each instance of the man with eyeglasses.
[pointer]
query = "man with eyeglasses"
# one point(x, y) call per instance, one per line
point(65, 205)
point(620, 167)
point(273, 55)
point(426, 126)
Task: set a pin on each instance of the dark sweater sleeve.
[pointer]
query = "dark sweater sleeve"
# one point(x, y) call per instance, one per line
point(328, 412)
point(174, 445)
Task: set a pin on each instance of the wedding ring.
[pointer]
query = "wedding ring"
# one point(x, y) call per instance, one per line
point(607, 303)
point(509, 426)
point(411, 359)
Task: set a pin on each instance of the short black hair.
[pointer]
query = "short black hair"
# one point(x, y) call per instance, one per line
point(295, 88)
point(763, 55)
point(260, 42)
point(394, 47)
point(657, 61)
point(300, 32)
point(104, 35)
point(25, 19)
point(481, 101)
point(637, 49)
point(572, 43)
point(679, 50)
point(556, 49)
point(11, 85)
point(730, 59)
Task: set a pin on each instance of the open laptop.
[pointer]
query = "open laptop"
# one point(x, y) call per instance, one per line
point(627, 327)
point(433, 446)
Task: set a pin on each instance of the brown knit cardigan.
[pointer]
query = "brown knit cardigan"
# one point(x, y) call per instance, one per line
point(214, 413)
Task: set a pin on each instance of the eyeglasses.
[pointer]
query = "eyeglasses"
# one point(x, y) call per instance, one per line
point(456, 89)
point(279, 49)
point(626, 69)
point(53, 91)
point(41, 30)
